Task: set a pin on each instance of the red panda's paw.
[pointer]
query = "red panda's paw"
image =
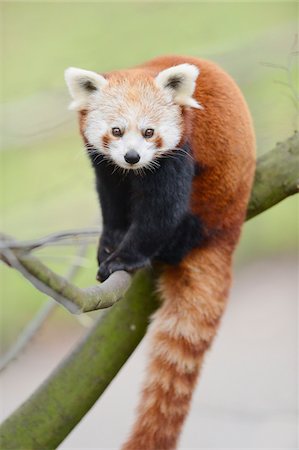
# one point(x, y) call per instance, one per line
point(102, 275)
point(103, 253)
point(114, 264)
point(109, 242)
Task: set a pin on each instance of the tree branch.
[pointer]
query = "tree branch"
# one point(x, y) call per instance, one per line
point(276, 176)
point(48, 416)
point(74, 299)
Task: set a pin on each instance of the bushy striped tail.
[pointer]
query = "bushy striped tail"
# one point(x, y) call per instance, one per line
point(194, 296)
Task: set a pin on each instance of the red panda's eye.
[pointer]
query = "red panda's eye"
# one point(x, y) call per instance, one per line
point(148, 133)
point(117, 132)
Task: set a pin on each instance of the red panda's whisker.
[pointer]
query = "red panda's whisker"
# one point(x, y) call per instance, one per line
point(184, 151)
point(177, 149)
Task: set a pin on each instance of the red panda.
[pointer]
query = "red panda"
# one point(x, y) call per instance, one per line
point(173, 149)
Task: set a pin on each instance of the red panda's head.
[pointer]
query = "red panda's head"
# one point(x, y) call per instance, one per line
point(131, 117)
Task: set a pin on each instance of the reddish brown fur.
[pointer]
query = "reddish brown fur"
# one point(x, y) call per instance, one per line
point(82, 123)
point(158, 142)
point(106, 139)
point(205, 275)
point(194, 293)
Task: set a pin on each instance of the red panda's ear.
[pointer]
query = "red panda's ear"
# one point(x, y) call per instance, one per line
point(180, 81)
point(82, 84)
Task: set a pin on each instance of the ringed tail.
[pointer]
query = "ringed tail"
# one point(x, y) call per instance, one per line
point(194, 296)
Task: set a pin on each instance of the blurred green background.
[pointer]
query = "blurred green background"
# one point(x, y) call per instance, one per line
point(46, 179)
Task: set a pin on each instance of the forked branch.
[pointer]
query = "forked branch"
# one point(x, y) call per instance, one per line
point(73, 298)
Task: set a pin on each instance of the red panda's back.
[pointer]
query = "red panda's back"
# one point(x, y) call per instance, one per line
point(222, 141)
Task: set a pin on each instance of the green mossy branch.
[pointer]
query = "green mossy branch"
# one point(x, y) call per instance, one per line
point(59, 404)
point(47, 417)
point(276, 176)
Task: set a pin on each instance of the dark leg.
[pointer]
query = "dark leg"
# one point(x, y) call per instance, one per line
point(160, 201)
point(113, 190)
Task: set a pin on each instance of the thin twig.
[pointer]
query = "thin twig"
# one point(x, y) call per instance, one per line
point(53, 238)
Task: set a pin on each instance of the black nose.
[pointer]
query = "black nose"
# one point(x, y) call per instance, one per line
point(132, 157)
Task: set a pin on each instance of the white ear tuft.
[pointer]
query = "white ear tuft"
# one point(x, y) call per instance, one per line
point(82, 84)
point(180, 80)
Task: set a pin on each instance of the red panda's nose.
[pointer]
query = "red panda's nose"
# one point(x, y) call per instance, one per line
point(132, 157)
